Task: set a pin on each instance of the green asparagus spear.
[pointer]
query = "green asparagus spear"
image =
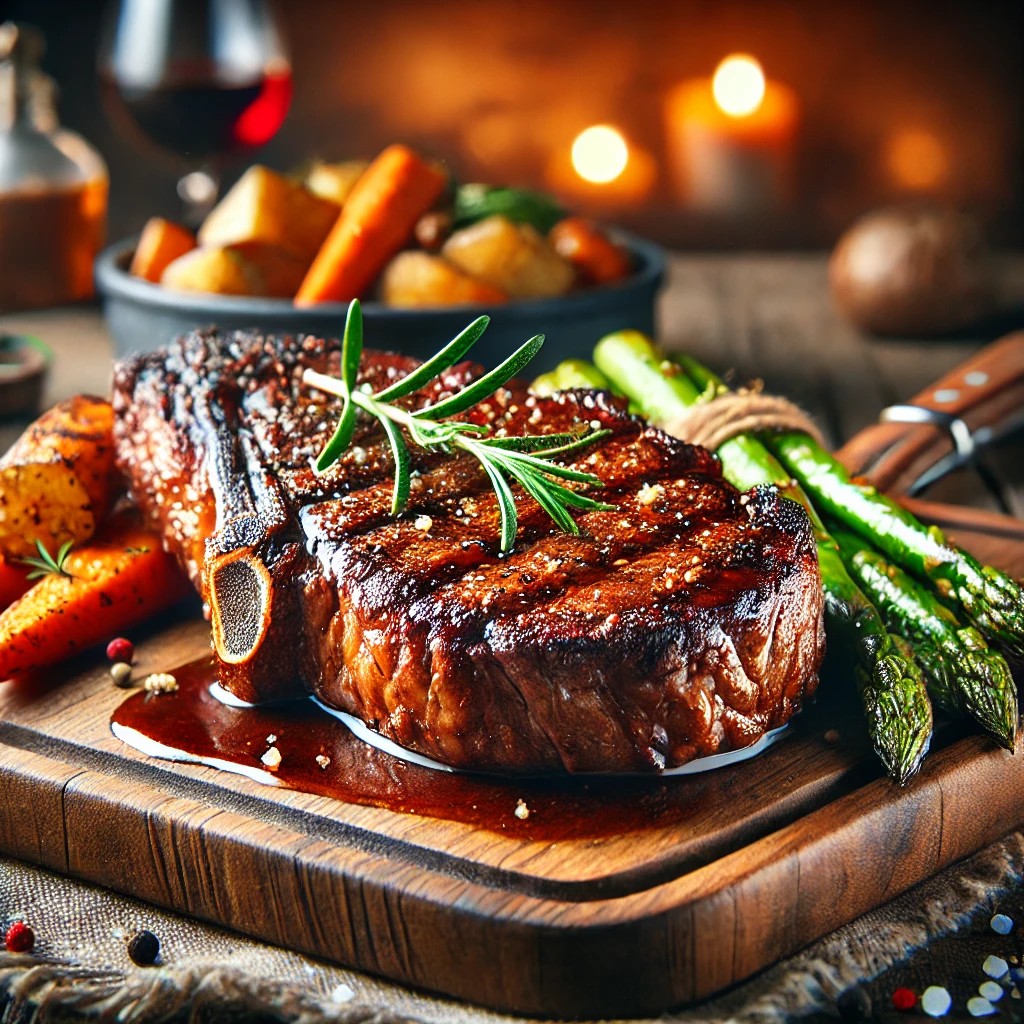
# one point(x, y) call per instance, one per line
point(989, 599)
point(572, 373)
point(964, 676)
point(892, 690)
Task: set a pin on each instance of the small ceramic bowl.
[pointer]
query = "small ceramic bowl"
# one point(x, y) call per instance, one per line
point(24, 362)
point(143, 316)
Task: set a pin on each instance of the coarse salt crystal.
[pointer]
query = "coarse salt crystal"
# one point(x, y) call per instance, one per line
point(1001, 924)
point(272, 739)
point(991, 990)
point(160, 682)
point(995, 966)
point(423, 523)
point(323, 760)
point(522, 812)
point(342, 994)
point(649, 494)
point(979, 1006)
point(272, 758)
point(936, 1001)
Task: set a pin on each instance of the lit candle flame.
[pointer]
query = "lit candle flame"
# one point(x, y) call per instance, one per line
point(739, 85)
point(600, 154)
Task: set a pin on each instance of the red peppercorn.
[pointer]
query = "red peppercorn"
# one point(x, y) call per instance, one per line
point(904, 999)
point(121, 650)
point(20, 938)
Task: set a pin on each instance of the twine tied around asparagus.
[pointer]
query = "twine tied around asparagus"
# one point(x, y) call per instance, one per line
point(747, 410)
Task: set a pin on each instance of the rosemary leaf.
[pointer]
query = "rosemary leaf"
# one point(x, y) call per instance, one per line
point(437, 364)
point(539, 489)
point(507, 504)
point(486, 385)
point(352, 345)
point(341, 439)
point(46, 564)
point(400, 493)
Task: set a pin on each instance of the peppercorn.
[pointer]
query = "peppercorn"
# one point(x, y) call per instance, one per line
point(904, 999)
point(19, 938)
point(121, 673)
point(143, 948)
point(121, 650)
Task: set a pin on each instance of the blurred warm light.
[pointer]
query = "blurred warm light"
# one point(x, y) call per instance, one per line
point(739, 85)
point(917, 159)
point(600, 154)
point(629, 188)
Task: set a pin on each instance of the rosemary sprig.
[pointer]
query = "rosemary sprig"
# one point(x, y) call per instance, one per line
point(525, 460)
point(46, 564)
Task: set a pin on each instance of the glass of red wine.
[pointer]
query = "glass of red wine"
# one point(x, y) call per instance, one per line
point(196, 82)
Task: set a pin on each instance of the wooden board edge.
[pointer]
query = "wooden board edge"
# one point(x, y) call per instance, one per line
point(680, 941)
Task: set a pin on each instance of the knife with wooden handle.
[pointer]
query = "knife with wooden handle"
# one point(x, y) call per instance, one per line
point(980, 401)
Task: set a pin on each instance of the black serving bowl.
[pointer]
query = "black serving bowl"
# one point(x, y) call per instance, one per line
point(143, 316)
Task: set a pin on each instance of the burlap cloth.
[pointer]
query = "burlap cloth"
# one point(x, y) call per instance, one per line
point(938, 933)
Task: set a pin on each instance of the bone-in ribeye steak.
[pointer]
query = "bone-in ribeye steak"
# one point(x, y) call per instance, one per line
point(685, 622)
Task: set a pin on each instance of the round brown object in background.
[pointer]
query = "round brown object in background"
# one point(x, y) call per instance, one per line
point(913, 271)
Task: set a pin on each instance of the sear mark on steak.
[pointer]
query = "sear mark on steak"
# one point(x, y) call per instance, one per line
point(686, 621)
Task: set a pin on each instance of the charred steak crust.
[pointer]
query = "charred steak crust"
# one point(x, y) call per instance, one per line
point(686, 621)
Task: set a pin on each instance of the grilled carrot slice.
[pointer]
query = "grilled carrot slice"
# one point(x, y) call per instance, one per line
point(377, 219)
point(14, 582)
point(161, 243)
point(123, 577)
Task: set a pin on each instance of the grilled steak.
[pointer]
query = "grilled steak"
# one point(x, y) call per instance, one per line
point(687, 621)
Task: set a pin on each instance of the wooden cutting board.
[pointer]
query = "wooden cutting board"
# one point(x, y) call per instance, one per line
point(573, 912)
point(753, 862)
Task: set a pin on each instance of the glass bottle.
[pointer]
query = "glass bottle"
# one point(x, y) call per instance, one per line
point(53, 186)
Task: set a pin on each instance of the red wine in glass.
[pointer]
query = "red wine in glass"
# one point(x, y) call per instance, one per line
point(196, 82)
point(202, 120)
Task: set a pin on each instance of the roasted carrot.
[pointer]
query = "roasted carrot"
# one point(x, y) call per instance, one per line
point(377, 219)
point(121, 578)
point(597, 259)
point(161, 243)
point(14, 582)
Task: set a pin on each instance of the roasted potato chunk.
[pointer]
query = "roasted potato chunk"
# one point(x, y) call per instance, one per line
point(248, 268)
point(265, 206)
point(418, 279)
point(512, 257)
point(221, 270)
point(59, 479)
point(335, 181)
point(161, 243)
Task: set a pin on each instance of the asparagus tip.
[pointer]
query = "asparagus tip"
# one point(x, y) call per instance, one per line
point(989, 694)
point(899, 712)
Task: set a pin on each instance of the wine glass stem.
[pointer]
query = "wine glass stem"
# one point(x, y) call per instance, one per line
point(198, 191)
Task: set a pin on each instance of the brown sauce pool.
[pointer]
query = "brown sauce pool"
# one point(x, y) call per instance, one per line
point(194, 722)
